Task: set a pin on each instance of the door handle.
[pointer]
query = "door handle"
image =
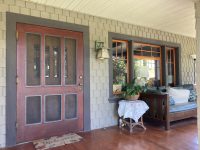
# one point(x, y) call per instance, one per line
point(80, 84)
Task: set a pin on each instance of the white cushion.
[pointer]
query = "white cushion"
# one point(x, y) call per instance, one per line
point(179, 95)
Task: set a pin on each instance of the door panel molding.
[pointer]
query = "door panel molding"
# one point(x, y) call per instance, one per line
point(11, 20)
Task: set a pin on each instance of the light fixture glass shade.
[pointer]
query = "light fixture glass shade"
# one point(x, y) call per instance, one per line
point(102, 53)
point(194, 56)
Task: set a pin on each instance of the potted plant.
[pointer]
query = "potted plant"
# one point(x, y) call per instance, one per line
point(119, 74)
point(132, 90)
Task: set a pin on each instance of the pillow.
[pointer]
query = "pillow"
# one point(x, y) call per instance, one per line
point(171, 101)
point(193, 96)
point(188, 86)
point(179, 95)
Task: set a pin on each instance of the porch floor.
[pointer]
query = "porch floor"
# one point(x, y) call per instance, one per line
point(181, 136)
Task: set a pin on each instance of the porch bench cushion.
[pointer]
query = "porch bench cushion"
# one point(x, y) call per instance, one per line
point(179, 95)
point(182, 107)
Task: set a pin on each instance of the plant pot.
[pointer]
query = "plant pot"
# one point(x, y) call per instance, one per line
point(117, 88)
point(133, 97)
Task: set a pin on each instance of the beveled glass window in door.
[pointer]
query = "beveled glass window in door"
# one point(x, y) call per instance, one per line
point(70, 61)
point(52, 60)
point(33, 52)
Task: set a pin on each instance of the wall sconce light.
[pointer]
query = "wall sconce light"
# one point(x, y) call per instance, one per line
point(194, 57)
point(102, 53)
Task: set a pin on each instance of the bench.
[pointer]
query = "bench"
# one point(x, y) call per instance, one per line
point(160, 109)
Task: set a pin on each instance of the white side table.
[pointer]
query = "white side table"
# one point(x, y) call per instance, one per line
point(133, 110)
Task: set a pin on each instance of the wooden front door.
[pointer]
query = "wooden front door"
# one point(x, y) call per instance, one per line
point(49, 82)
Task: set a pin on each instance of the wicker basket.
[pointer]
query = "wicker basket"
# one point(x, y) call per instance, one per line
point(133, 97)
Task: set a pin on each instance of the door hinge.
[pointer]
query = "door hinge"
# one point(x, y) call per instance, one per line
point(17, 80)
point(17, 35)
point(16, 125)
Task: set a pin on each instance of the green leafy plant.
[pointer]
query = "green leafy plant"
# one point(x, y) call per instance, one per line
point(119, 71)
point(135, 87)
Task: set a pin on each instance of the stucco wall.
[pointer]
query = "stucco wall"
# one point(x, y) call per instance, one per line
point(103, 113)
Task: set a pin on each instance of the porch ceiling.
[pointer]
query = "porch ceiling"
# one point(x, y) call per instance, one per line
point(176, 16)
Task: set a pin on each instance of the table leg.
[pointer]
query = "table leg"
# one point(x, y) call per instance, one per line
point(120, 122)
point(142, 124)
point(131, 125)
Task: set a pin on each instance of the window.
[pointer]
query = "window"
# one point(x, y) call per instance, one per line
point(120, 64)
point(171, 68)
point(147, 63)
point(157, 63)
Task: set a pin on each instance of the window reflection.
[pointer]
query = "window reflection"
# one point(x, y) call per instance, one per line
point(33, 59)
point(47, 62)
point(171, 79)
point(148, 69)
point(52, 60)
point(70, 61)
point(55, 53)
point(120, 64)
point(147, 63)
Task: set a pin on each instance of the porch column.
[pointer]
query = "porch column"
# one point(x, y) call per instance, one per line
point(197, 16)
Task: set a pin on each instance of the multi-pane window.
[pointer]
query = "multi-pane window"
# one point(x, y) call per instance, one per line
point(171, 68)
point(120, 64)
point(147, 50)
point(147, 63)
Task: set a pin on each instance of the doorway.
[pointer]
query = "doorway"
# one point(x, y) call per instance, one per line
point(49, 82)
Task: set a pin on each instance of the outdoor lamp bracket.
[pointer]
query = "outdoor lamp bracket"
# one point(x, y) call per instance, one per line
point(193, 56)
point(102, 53)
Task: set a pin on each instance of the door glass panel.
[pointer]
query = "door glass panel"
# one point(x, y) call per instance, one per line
point(33, 59)
point(70, 61)
point(33, 109)
point(70, 106)
point(52, 60)
point(47, 62)
point(52, 108)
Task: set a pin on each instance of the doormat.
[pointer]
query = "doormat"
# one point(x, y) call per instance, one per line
point(56, 141)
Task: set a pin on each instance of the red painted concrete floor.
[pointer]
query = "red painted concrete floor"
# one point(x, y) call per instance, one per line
point(181, 136)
